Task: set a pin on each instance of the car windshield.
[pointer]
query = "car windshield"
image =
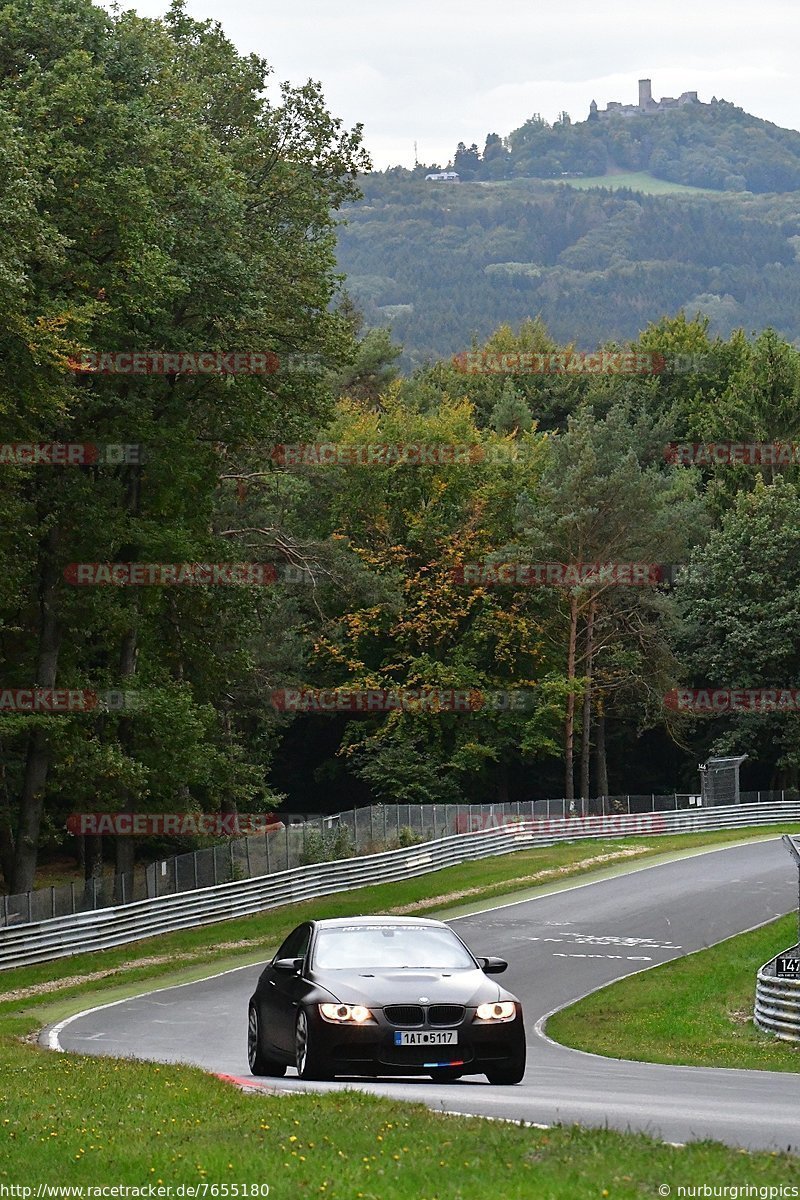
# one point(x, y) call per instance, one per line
point(390, 946)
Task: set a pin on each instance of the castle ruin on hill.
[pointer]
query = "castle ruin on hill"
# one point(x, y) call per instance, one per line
point(646, 104)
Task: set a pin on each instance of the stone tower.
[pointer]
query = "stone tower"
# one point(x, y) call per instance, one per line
point(645, 95)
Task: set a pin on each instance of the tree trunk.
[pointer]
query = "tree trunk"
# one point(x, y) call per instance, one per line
point(125, 844)
point(6, 831)
point(601, 765)
point(569, 726)
point(586, 731)
point(38, 759)
point(93, 869)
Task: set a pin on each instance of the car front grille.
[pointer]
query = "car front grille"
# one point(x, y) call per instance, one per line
point(446, 1014)
point(405, 1014)
point(415, 1014)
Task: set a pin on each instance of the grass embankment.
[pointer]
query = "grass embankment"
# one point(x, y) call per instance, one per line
point(79, 1120)
point(696, 1011)
point(637, 181)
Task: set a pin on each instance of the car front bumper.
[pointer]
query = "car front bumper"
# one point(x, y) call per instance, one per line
point(370, 1049)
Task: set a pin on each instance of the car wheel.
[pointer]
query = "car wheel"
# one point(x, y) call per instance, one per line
point(445, 1074)
point(511, 1072)
point(259, 1063)
point(307, 1057)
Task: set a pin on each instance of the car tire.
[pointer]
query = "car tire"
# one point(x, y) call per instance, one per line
point(511, 1072)
point(259, 1063)
point(309, 1063)
point(446, 1074)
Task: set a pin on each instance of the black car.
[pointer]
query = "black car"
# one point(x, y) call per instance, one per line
point(383, 996)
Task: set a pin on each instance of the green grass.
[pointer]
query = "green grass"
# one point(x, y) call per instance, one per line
point(67, 1119)
point(70, 1120)
point(637, 181)
point(697, 1010)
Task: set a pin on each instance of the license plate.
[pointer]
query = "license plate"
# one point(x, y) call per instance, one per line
point(428, 1037)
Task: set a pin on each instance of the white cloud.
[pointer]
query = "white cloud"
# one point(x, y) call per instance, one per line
point(444, 71)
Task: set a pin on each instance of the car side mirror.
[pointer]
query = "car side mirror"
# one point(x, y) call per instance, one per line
point(493, 966)
point(289, 966)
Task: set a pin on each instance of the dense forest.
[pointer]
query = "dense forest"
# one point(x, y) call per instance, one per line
point(126, 229)
point(442, 264)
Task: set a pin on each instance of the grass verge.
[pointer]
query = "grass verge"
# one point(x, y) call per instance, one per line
point(696, 1011)
point(637, 181)
point(74, 1120)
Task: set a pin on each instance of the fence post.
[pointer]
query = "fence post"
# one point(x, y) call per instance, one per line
point(94, 892)
point(629, 804)
point(194, 867)
point(214, 863)
point(247, 857)
point(5, 910)
point(72, 896)
point(30, 915)
point(122, 882)
point(286, 831)
point(653, 801)
point(230, 859)
point(52, 901)
point(175, 871)
point(383, 810)
point(269, 864)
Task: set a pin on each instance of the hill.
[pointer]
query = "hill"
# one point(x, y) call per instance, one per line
point(440, 263)
point(716, 145)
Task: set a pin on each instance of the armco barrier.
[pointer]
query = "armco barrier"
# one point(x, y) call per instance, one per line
point(777, 1008)
point(59, 937)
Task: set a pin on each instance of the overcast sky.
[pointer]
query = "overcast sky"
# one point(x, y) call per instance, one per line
point(442, 71)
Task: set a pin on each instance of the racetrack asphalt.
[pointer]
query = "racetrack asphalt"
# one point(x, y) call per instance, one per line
point(560, 947)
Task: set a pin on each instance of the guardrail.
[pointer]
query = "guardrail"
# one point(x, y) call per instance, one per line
point(777, 1009)
point(42, 941)
point(296, 840)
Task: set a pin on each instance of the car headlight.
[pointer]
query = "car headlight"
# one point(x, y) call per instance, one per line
point(345, 1014)
point(501, 1010)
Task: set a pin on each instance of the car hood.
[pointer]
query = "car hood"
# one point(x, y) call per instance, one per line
point(379, 988)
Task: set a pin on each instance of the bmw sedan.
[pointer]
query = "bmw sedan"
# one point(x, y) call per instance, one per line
point(383, 996)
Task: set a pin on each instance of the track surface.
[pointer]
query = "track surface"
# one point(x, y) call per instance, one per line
point(560, 947)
